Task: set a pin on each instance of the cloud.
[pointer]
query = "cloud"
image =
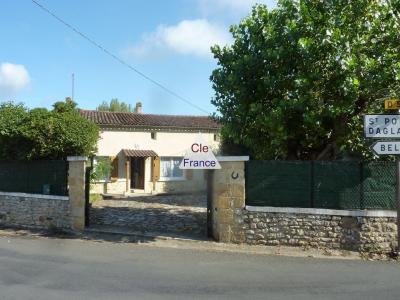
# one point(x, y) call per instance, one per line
point(13, 78)
point(190, 37)
point(233, 7)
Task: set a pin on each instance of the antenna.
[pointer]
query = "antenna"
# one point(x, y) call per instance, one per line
point(73, 83)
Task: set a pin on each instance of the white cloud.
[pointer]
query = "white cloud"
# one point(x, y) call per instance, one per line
point(187, 37)
point(13, 78)
point(233, 7)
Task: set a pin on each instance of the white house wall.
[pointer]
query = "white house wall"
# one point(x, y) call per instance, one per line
point(166, 143)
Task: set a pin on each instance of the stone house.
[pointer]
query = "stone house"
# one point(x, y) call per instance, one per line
point(146, 149)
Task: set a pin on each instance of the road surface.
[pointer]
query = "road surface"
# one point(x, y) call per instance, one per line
point(52, 268)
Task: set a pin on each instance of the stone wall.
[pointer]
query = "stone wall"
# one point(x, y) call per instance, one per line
point(369, 231)
point(197, 183)
point(38, 211)
point(47, 211)
point(114, 187)
point(232, 221)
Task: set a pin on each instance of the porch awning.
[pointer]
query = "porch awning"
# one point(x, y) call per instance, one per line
point(139, 153)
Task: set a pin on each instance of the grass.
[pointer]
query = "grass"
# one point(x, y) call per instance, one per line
point(95, 197)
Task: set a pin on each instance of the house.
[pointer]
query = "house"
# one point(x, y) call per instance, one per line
point(146, 149)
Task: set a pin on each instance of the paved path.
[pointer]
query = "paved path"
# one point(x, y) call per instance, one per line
point(167, 214)
point(74, 269)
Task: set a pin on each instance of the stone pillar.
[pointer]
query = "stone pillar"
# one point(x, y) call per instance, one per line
point(228, 199)
point(76, 188)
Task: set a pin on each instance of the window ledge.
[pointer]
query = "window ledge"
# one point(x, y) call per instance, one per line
point(172, 179)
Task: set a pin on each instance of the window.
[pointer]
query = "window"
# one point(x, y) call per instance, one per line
point(216, 137)
point(154, 135)
point(169, 168)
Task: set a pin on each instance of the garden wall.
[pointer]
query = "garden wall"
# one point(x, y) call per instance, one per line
point(37, 211)
point(46, 211)
point(233, 221)
point(364, 231)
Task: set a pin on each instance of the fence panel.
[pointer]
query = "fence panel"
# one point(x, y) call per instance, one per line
point(337, 185)
point(380, 185)
point(278, 183)
point(321, 184)
point(36, 177)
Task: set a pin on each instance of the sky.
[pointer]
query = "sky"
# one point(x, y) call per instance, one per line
point(168, 41)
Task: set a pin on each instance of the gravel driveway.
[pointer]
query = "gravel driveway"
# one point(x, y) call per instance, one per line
point(175, 214)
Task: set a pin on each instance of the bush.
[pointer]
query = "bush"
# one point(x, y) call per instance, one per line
point(43, 134)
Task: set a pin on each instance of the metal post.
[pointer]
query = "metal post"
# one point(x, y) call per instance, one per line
point(210, 194)
point(362, 199)
point(312, 183)
point(398, 202)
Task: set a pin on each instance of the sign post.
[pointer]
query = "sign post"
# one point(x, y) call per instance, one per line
point(387, 127)
point(398, 202)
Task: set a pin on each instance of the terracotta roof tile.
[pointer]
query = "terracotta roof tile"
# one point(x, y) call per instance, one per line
point(149, 120)
point(139, 153)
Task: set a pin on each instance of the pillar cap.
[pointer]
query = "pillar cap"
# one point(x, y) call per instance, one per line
point(233, 158)
point(77, 158)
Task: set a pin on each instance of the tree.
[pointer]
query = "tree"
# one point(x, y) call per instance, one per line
point(68, 106)
point(297, 79)
point(102, 169)
point(115, 106)
point(43, 134)
point(13, 143)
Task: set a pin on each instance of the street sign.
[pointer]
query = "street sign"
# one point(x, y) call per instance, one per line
point(382, 126)
point(392, 104)
point(386, 147)
point(387, 126)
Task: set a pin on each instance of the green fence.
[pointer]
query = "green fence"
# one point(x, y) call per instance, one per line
point(321, 184)
point(36, 177)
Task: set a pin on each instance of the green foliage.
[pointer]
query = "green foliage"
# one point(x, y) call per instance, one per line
point(13, 143)
point(298, 78)
point(43, 134)
point(102, 169)
point(115, 106)
point(68, 106)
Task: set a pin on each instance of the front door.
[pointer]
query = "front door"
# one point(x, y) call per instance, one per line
point(137, 173)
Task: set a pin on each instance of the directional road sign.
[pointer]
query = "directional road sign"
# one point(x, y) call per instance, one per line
point(386, 147)
point(392, 104)
point(382, 126)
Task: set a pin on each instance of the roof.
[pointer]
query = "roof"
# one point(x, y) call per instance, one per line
point(139, 153)
point(103, 118)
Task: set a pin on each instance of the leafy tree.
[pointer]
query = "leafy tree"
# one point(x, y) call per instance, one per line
point(115, 106)
point(43, 134)
point(13, 143)
point(102, 169)
point(297, 79)
point(68, 106)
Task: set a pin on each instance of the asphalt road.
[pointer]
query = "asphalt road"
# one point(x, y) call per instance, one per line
point(75, 269)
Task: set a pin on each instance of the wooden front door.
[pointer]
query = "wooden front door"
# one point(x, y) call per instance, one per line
point(137, 173)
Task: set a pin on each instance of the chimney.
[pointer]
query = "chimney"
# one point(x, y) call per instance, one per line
point(138, 107)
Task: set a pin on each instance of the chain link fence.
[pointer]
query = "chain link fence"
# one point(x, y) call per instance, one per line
point(321, 184)
point(36, 177)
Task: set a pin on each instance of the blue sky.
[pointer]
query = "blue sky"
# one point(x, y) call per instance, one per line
point(167, 40)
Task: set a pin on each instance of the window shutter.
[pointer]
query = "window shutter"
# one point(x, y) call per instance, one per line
point(114, 171)
point(189, 174)
point(156, 168)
